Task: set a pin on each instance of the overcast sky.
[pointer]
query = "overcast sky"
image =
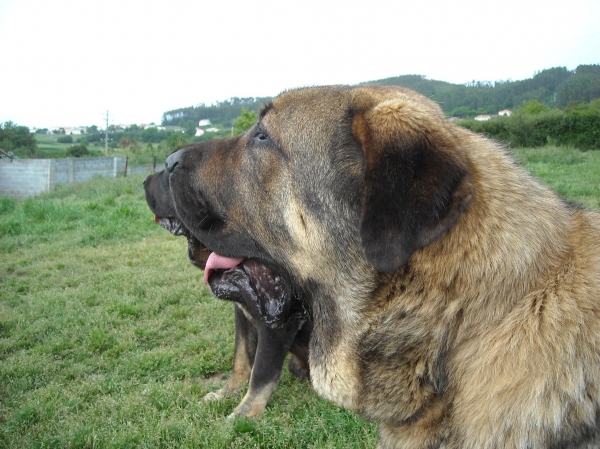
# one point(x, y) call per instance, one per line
point(66, 62)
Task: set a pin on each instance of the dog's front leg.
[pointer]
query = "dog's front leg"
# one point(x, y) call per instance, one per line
point(273, 346)
point(246, 339)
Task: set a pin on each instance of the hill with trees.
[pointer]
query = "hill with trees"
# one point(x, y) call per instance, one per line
point(556, 87)
point(222, 112)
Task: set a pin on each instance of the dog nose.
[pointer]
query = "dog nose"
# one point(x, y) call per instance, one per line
point(172, 161)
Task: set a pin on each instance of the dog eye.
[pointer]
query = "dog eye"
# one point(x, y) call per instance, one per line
point(260, 136)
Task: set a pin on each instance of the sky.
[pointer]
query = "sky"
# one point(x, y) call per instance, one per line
point(68, 62)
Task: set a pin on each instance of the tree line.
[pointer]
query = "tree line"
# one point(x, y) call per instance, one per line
point(556, 87)
point(223, 113)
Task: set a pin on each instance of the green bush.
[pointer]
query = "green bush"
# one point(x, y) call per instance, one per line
point(65, 139)
point(78, 150)
point(577, 127)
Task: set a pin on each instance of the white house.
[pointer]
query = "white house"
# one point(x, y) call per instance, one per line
point(483, 118)
point(505, 112)
point(199, 132)
point(80, 130)
point(204, 122)
point(75, 130)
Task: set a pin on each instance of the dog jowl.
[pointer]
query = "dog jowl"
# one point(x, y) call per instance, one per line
point(268, 324)
point(454, 299)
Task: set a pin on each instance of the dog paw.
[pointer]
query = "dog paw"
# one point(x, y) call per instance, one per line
point(214, 396)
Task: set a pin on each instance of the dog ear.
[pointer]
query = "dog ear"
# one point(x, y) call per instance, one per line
point(415, 184)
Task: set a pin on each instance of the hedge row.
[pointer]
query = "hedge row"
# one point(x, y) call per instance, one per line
point(556, 127)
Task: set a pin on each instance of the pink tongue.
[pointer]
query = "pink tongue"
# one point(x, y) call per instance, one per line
point(217, 262)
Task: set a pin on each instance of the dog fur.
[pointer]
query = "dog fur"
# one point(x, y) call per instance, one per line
point(259, 349)
point(455, 299)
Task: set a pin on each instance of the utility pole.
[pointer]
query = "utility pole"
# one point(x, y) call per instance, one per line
point(106, 136)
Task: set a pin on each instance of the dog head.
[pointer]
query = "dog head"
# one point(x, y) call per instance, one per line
point(366, 173)
point(160, 202)
point(332, 189)
point(250, 284)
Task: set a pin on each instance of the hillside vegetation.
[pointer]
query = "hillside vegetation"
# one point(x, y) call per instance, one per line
point(536, 125)
point(556, 87)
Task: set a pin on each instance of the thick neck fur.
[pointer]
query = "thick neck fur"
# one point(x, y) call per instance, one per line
point(426, 325)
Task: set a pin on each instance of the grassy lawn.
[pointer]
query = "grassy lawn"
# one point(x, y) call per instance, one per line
point(48, 147)
point(575, 175)
point(109, 339)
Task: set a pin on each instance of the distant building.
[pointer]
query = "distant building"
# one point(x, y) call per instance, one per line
point(199, 132)
point(505, 112)
point(212, 130)
point(75, 130)
point(483, 118)
point(204, 122)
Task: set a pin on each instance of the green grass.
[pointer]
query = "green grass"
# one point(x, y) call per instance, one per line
point(573, 174)
point(109, 339)
point(48, 147)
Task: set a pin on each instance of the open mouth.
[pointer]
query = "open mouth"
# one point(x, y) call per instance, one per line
point(267, 294)
point(171, 224)
point(197, 252)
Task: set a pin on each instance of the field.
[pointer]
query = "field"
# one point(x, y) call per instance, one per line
point(109, 339)
point(48, 147)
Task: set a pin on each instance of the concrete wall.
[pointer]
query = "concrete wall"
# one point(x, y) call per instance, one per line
point(26, 177)
point(79, 169)
point(141, 169)
point(22, 178)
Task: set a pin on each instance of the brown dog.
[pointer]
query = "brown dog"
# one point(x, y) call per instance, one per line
point(262, 340)
point(455, 300)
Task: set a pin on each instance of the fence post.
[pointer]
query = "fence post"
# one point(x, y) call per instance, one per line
point(154, 164)
point(51, 182)
point(126, 161)
point(70, 174)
